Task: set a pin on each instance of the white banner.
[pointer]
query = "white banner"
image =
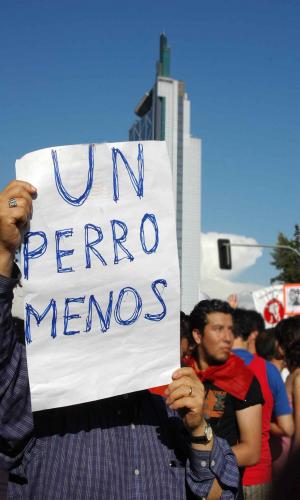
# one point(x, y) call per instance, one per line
point(291, 292)
point(269, 303)
point(100, 272)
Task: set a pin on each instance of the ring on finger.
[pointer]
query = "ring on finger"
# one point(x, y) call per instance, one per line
point(12, 203)
point(190, 391)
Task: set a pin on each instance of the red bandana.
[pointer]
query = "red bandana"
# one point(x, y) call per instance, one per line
point(160, 390)
point(233, 376)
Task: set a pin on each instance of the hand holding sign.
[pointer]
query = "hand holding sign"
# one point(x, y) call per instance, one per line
point(100, 272)
point(15, 210)
point(186, 394)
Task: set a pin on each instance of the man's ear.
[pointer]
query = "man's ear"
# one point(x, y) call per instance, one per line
point(196, 336)
point(253, 335)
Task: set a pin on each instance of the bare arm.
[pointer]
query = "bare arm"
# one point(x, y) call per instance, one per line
point(216, 491)
point(247, 451)
point(296, 401)
point(283, 426)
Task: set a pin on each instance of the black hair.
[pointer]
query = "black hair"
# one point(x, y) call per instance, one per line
point(287, 331)
point(185, 331)
point(292, 355)
point(265, 344)
point(198, 316)
point(184, 326)
point(246, 321)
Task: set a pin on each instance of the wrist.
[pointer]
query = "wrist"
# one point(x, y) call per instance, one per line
point(199, 430)
point(6, 263)
point(202, 437)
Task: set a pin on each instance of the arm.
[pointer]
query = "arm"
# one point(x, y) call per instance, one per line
point(247, 451)
point(283, 426)
point(296, 401)
point(15, 411)
point(212, 470)
point(213, 474)
point(233, 300)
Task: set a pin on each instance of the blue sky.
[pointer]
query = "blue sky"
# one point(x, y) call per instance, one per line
point(73, 71)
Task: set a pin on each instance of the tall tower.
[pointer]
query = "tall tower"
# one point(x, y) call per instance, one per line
point(164, 114)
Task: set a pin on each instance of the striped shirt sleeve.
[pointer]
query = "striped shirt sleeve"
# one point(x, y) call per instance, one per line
point(16, 422)
point(204, 467)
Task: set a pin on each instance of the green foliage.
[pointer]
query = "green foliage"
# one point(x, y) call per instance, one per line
point(287, 261)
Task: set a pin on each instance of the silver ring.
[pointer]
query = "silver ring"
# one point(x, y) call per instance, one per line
point(12, 203)
point(191, 391)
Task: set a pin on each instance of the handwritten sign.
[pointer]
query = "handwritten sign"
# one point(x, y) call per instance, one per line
point(269, 303)
point(100, 272)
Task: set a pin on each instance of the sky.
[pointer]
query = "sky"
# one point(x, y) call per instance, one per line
point(73, 72)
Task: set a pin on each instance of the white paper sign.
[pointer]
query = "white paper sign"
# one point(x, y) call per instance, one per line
point(292, 299)
point(100, 272)
point(269, 303)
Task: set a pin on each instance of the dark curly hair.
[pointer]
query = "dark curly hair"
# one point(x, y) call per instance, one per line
point(198, 316)
point(292, 355)
point(184, 325)
point(185, 331)
point(287, 331)
point(265, 344)
point(246, 321)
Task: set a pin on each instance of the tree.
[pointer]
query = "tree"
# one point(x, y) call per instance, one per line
point(287, 261)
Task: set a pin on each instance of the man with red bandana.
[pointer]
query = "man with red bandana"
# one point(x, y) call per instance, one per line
point(233, 400)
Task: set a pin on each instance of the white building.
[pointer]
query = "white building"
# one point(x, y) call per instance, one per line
point(164, 114)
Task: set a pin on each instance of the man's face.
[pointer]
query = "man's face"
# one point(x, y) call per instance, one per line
point(292, 295)
point(215, 344)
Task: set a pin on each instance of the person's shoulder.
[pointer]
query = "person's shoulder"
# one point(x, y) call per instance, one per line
point(254, 383)
point(255, 392)
point(240, 369)
point(238, 364)
point(296, 380)
point(243, 354)
point(273, 371)
point(253, 396)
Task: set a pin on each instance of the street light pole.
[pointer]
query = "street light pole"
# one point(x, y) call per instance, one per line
point(224, 250)
point(284, 247)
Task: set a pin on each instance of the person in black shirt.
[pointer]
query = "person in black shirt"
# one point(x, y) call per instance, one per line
point(233, 401)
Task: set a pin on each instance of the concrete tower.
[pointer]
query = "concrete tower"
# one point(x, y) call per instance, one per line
point(164, 114)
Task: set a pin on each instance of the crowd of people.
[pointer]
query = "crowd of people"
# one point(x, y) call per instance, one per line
point(273, 356)
point(227, 426)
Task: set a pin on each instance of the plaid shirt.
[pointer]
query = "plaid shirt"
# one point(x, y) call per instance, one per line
point(130, 447)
